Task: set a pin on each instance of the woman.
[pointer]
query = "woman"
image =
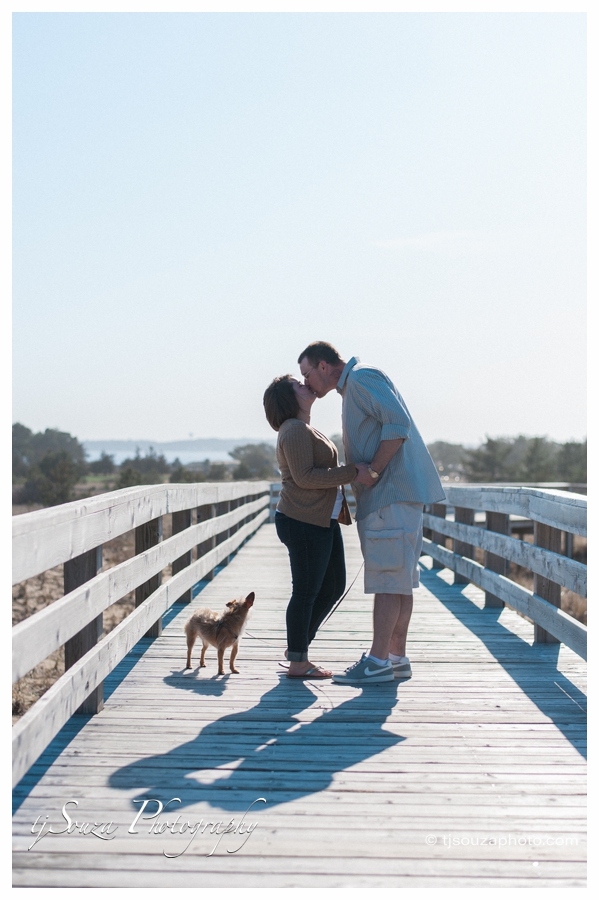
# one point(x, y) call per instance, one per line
point(307, 517)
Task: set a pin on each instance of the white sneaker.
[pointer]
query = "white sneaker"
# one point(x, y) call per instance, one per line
point(366, 670)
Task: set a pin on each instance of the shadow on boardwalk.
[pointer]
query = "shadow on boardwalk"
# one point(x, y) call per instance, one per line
point(267, 751)
point(534, 669)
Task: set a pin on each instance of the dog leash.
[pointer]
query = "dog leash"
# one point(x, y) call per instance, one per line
point(339, 602)
point(335, 608)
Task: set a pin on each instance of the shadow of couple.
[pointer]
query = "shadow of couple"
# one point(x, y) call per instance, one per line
point(266, 750)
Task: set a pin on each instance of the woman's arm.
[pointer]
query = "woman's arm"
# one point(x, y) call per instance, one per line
point(297, 447)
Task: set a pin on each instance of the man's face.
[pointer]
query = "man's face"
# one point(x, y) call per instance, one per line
point(320, 378)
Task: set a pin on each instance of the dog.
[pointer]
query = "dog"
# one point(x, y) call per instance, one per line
point(221, 631)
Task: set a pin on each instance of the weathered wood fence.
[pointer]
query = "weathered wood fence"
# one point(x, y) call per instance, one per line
point(552, 512)
point(486, 516)
point(214, 518)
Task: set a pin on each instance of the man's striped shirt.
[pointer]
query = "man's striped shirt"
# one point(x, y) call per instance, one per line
point(374, 411)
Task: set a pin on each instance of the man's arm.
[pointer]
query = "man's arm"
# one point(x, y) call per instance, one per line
point(384, 454)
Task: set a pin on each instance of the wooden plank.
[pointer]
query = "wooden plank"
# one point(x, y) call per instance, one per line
point(548, 563)
point(147, 536)
point(496, 522)
point(180, 521)
point(209, 511)
point(560, 509)
point(462, 548)
point(479, 742)
point(38, 636)
point(562, 626)
point(551, 539)
point(47, 537)
point(264, 880)
point(78, 571)
point(438, 511)
point(41, 723)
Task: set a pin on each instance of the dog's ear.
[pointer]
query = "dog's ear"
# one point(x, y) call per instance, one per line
point(249, 600)
point(230, 603)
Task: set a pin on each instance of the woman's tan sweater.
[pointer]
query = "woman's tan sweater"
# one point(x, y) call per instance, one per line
point(309, 473)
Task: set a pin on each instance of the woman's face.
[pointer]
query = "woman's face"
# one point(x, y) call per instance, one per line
point(304, 395)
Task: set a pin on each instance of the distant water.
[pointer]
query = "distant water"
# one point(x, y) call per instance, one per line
point(186, 456)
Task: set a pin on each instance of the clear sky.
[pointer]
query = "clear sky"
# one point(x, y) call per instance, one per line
point(197, 196)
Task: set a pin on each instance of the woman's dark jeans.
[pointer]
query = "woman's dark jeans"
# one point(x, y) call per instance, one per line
point(318, 577)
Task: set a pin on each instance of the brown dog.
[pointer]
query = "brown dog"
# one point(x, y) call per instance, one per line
point(221, 631)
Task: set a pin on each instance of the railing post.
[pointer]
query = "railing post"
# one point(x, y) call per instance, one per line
point(568, 544)
point(148, 535)
point(181, 521)
point(499, 522)
point(550, 539)
point(465, 517)
point(76, 572)
point(224, 507)
point(440, 510)
point(208, 511)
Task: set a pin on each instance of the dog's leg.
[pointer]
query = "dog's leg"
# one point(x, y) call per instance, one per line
point(221, 659)
point(234, 650)
point(191, 639)
point(203, 656)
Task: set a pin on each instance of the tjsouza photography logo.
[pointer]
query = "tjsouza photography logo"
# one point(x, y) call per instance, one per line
point(236, 833)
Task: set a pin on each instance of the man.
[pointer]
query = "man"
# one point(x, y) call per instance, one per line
point(396, 477)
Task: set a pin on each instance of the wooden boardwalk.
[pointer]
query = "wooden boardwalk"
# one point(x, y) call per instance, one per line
point(471, 774)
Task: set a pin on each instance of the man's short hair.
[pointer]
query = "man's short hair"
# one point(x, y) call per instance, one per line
point(320, 351)
point(280, 401)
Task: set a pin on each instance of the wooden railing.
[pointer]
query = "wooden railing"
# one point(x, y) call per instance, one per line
point(225, 516)
point(485, 516)
point(551, 512)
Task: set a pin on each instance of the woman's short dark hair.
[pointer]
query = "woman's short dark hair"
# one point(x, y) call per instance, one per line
point(280, 401)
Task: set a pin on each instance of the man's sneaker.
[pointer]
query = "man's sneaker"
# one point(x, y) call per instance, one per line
point(366, 671)
point(402, 669)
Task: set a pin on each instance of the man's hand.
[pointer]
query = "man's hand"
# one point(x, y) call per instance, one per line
point(364, 477)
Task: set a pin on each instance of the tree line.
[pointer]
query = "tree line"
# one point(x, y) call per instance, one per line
point(518, 460)
point(47, 465)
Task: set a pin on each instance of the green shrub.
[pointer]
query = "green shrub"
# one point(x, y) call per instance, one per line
point(52, 481)
point(181, 475)
point(571, 462)
point(255, 461)
point(30, 449)
point(150, 463)
point(103, 466)
point(130, 477)
point(217, 472)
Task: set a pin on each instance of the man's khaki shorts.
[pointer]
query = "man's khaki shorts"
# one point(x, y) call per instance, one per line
point(391, 540)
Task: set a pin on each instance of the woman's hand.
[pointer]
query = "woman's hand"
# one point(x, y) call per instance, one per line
point(364, 477)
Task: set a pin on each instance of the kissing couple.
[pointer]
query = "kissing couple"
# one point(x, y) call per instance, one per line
point(392, 477)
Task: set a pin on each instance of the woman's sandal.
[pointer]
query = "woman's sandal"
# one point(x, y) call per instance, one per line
point(310, 674)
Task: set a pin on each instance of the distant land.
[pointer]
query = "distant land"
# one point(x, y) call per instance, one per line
point(194, 449)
